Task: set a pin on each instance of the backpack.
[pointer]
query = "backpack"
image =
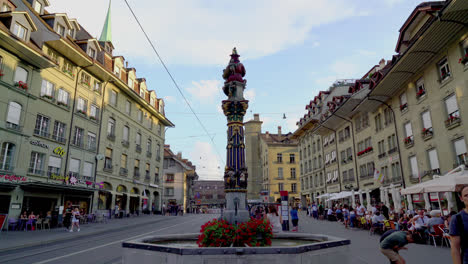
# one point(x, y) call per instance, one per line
point(463, 234)
point(386, 234)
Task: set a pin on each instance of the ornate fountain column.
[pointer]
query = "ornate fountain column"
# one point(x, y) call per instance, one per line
point(235, 172)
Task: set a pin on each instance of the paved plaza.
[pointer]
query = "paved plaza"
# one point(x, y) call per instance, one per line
point(101, 243)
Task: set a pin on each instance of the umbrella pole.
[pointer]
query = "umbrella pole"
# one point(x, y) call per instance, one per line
point(440, 205)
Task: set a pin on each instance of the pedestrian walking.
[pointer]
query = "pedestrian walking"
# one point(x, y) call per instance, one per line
point(164, 209)
point(315, 211)
point(393, 243)
point(75, 220)
point(116, 211)
point(67, 219)
point(346, 215)
point(459, 232)
point(294, 218)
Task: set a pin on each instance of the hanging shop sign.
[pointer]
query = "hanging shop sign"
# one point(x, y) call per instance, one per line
point(39, 144)
point(59, 151)
point(59, 177)
point(13, 178)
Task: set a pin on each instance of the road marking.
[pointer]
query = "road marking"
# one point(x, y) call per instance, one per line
point(108, 244)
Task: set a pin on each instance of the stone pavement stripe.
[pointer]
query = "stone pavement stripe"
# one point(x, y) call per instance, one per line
point(118, 241)
point(81, 235)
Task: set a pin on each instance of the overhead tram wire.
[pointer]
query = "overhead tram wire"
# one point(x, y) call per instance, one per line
point(173, 80)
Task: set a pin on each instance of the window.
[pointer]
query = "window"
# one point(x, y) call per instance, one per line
point(138, 139)
point(142, 93)
point(111, 127)
point(20, 31)
point(47, 89)
point(414, 167)
point(78, 137)
point(333, 156)
point(36, 163)
point(294, 188)
point(370, 169)
point(149, 145)
point(280, 173)
point(378, 122)
point(444, 70)
point(280, 186)
point(420, 90)
point(123, 161)
point(55, 163)
point(91, 141)
point(86, 79)
point(6, 7)
point(117, 71)
point(460, 151)
point(59, 132)
point(14, 115)
point(388, 116)
point(169, 191)
point(71, 32)
point(391, 143)
point(127, 107)
point(92, 53)
point(433, 160)
point(108, 159)
point(136, 168)
point(349, 154)
point(126, 133)
point(403, 102)
point(345, 176)
point(74, 169)
point(152, 101)
point(327, 158)
point(335, 176)
point(130, 83)
point(97, 87)
point(381, 145)
point(147, 171)
point(62, 98)
point(82, 106)
point(169, 177)
point(61, 30)
point(158, 152)
point(293, 173)
point(113, 98)
point(68, 68)
point(396, 170)
point(427, 123)
point(347, 132)
point(452, 107)
point(93, 112)
point(408, 130)
point(351, 175)
point(279, 158)
point(42, 126)
point(88, 171)
point(140, 115)
point(21, 75)
point(6, 156)
point(37, 7)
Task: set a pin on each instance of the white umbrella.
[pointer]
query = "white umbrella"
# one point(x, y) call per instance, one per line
point(325, 195)
point(418, 188)
point(451, 182)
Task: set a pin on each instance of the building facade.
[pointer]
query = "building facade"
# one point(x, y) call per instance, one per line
point(207, 194)
point(405, 116)
point(65, 109)
point(179, 177)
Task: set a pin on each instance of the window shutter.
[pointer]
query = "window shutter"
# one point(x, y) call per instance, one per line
point(426, 117)
point(14, 113)
point(74, 165)
point(55, 162)
point(408, 129)
point(460, 146)
point(87, 169)
point(433, 159)
point(451, 104)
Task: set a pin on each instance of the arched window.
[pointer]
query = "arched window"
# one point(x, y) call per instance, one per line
point(6, 156)
point(21, 75)
point(14, 115)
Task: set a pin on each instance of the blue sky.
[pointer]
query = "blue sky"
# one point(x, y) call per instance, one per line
point(290, 49)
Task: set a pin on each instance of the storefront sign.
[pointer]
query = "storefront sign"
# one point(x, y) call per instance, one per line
point(59, 151)
point(434, 197)
point(15, 206)
point(13, 178)
point(58, 177)
point(39, 144)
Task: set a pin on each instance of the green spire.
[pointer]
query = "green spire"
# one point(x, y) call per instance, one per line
point(106, 34)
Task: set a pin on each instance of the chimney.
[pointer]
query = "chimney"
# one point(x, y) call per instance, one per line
point(279, 130)
point(256, 117)
point(179, 155)
point(382, 63)
point(267, 134)
point(126, 64)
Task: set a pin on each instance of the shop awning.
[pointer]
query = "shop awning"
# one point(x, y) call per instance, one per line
point(450, 182)
point(341, 195)
point(325, 195)
point(6, 186)
point(35, 186)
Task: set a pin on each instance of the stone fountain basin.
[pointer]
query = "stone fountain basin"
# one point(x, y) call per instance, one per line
point(311, 248)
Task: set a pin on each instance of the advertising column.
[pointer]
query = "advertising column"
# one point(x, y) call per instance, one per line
point(285, 210)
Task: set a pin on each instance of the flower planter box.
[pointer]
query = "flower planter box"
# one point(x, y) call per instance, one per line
point(403, 107)
point(427, 134)
point(464, 59)
point(21, 85)
point(452, 122)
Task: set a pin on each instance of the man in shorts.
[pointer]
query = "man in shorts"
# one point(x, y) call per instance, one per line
point(394, 243)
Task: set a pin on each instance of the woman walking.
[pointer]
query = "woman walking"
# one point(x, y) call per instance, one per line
point(75, 220)
point(346, 215)
point(294, 218)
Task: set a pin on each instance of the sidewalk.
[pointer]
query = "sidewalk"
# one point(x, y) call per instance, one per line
point(20, 239)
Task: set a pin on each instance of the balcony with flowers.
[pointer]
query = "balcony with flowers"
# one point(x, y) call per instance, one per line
point(365, 151)
point(409, 141)
point(453, 120)
point(464, 60)
point(21, 85)
point(420, 93)
point(403, 107)
point(427, 133)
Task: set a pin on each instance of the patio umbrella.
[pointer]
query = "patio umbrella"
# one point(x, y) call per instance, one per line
point(451, 182)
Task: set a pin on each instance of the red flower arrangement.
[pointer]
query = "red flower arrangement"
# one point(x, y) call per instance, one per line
point(420, 92)
point(408, 140)
point(82, 112)
point(367, 150)
point(219, 233)
point(1, 73)
point(464, 59)
point(403, 106)
point(22, 85)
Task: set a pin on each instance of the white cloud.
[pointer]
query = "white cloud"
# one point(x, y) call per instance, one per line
point(339, 70)
point(194, 32)
point(169, 99)
point(205, 90)
point(249, 94)
point(205, 158)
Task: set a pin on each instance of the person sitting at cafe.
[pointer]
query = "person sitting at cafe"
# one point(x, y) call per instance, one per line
point(31, 215)
point(435, 219)
point(403, 222)
point(420, 221)
point(378, 220)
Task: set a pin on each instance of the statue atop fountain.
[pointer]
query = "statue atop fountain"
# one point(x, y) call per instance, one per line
point(235, 172)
